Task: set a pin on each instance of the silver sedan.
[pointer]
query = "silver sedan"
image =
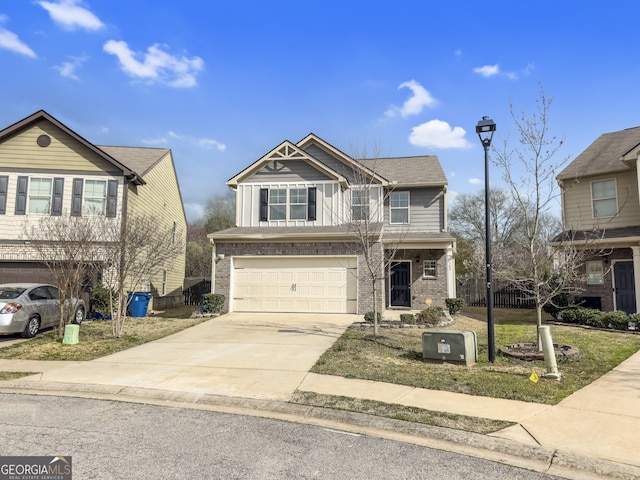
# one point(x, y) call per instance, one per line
point(28, 307)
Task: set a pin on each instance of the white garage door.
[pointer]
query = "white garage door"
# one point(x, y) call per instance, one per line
point(295, 284)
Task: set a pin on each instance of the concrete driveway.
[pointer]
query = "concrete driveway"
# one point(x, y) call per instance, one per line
point(250, 355)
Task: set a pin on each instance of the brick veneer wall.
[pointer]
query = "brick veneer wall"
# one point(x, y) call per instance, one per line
point(423, 288)
point(605, 291)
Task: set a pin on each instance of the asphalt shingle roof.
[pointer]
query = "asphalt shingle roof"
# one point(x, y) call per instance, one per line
point(419, 171)
point(604, 155)
point(138, 159)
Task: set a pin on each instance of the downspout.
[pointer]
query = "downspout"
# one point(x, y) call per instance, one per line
point(123, 230)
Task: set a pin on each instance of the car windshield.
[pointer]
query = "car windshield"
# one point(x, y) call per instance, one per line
point(10, 292)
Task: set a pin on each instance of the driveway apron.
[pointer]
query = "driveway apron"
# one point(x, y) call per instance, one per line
point(251, 355)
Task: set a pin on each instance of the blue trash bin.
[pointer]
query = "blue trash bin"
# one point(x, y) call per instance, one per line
point(139, 304)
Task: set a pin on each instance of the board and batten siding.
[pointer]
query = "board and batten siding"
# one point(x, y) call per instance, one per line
point(577, 203)
point(329, 205)
point(426, 211)
point(63, 154)
point(161, 197)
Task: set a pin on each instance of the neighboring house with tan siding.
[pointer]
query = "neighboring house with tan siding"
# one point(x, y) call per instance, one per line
point(600, 201)
point(294, 247)
point(48, 169)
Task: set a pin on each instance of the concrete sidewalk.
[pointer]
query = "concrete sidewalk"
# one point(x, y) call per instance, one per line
point(264, 358)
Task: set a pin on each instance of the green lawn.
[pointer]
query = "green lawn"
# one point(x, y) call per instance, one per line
point(396, 357)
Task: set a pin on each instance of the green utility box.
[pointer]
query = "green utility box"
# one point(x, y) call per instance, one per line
point(459, 346)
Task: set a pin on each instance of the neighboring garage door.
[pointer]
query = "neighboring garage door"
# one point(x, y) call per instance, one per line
point(24, 272)
point(295, 284)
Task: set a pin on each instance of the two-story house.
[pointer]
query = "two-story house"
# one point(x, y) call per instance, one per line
point(47, 169)
point(300, 212)
point(601, 212)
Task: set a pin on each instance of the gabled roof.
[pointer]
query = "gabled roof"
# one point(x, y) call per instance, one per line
point(42, 115)
point(313, 139)
point(421, 171)
point(605, 155)
point(285, 151)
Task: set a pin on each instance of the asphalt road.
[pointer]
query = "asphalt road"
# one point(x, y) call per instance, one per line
point(112, 440)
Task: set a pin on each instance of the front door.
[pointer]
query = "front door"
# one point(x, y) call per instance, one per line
point(400, 284)
point(624, 287)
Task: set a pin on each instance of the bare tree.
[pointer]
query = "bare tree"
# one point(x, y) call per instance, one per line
point(198, 254)
point(73, 253)
point(546, 268)
point(140, 249)
point(364, 217)
point(220, 212)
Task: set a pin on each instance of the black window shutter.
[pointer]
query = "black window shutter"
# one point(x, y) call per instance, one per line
point(21, 195)
point(112, 198)
point(4, 184)
point(264, 204)
point(58, 190)
point(311, 204)
point(76, 197)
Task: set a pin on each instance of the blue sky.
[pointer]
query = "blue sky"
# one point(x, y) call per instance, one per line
point(223, 82)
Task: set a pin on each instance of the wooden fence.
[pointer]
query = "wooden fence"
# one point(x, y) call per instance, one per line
point(505, 294)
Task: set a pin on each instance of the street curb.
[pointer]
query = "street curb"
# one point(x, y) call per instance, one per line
point(537, 458)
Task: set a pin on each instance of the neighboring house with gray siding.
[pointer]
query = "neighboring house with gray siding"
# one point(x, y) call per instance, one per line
point(294, 248)
point(600, 202)
point(48, 169)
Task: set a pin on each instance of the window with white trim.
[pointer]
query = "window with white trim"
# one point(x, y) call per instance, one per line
point(95, 197)
point(604, 198)
point(298, 204)
point(399, 207)
point(595, 272)
point(164, 282)
point(429, 268)
point(278, 204)
point(40, 190)
point(360, 200)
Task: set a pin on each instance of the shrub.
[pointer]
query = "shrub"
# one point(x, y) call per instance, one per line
point(368, 317)
point(454, 305)
point(583, 316)
point(556, 307)
point(635, 318)
point(430, 316)
point(617, 320)
point(407, 318)
point(100, 299)
point(212, 302)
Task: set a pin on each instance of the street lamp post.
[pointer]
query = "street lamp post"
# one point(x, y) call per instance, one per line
point(485, 129)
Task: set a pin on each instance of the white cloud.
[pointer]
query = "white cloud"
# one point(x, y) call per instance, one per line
point(438, 134)
point(10, 41)
point(156, 65)
point(488, 70)
point(421, 98)
point(71, 16)
point(154, 141)
point(68, 69)
point(475, 181)
point(210, 143)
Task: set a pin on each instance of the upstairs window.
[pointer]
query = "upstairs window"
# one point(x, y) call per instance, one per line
point(278, 204)
point(360, 205)
point(399, 207)
point(95, 197)
point(287, 204)
point(40, 190)
point(603, 195)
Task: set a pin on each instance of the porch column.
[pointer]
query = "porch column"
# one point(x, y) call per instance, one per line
point(636, 273)
point(451, 272)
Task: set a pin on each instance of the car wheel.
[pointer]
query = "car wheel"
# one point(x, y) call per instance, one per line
point(32, 328)
point(79, 315)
